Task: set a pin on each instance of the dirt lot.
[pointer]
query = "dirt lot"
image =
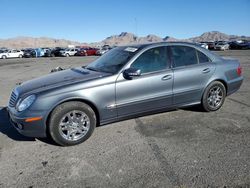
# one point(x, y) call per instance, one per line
point(183, 148)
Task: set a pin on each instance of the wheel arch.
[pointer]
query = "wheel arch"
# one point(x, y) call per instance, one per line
point(75, 100)
point(204, 102)
point(218, 80)
point(223, 82)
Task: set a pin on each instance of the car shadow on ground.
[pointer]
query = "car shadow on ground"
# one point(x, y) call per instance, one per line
point(7, 129)
point(195, 108)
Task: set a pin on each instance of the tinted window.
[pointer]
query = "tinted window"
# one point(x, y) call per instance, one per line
point(183, 56)
point(202, 57)
point(152, 60)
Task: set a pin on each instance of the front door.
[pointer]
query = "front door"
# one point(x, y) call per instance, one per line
point(151, 90)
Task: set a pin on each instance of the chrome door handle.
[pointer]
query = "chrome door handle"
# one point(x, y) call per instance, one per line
point(207, 70)
point(167, 77)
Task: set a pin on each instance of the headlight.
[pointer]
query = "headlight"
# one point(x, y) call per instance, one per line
point(23, 104)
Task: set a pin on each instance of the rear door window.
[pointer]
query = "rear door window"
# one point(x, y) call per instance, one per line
point(202, 57)
point(183, 56)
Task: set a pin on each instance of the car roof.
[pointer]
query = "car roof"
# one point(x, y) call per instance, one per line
point(160, 43)
point(212, 56)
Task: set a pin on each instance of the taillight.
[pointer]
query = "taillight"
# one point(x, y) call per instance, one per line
point(239, 70)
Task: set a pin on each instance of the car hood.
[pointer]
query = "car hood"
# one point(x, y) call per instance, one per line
point(58, 79)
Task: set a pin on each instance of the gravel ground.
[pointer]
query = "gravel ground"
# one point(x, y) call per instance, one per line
point(182, 148)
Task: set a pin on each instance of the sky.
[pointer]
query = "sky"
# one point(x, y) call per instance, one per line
point(94, 20)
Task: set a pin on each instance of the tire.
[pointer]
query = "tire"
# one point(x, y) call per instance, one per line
point(213, 96)
point(85, 54)
point(67, 55)
point(4, 57)
point(65, 123)
point(20, 56)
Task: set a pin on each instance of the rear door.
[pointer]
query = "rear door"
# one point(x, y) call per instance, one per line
point(192, 70)
point(150, 91)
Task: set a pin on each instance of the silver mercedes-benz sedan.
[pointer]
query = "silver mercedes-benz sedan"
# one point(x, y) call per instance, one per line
point(126, 82)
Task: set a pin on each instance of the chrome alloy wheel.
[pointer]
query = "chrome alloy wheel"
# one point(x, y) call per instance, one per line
point(74, 125)
point(215, 97)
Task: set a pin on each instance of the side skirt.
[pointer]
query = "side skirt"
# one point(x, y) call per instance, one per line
point(145, 113)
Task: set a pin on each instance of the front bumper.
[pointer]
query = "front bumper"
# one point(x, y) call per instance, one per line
point(30, 129)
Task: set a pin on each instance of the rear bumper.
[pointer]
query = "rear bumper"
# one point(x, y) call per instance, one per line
point(29, 129)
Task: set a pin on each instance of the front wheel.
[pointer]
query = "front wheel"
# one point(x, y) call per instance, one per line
point(72, 123)
point(213, 96)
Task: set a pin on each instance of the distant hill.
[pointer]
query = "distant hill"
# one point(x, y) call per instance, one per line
point(31, 42)
point(216, 35)
point(114, 40)
point(130, 38)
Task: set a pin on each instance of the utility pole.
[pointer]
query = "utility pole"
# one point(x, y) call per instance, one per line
point(136, 30)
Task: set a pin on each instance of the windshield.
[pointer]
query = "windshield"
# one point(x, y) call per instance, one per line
point(114, 60)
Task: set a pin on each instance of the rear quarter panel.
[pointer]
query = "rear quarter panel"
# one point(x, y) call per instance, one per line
point(226, 71)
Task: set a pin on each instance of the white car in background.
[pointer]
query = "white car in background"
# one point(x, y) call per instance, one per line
point(11, 54)
point(68, 52)
point(203, 45)
point(103, 50)
point(222, 45)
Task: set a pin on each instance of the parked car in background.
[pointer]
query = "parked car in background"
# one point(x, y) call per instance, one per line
point(3, 50)
point(11, 54)
point(103, 50)
point(68, 52)
point(87, 51)
point(211, 45)
point(55, 52)
point(203, 45)
point(69, 104)
point(28, 53)
point(47, 53)
point(221, 45)
point(39, 52)
point(242, 45)
point(46, 50)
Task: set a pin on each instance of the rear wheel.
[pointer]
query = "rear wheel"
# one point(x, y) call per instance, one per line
point(20, 56)
point(72, 123)
point(214, 96)
point(4, 57)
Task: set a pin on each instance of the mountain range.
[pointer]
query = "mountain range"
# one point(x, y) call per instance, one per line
point(121, 39)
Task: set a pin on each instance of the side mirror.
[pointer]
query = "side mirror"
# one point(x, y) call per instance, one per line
point(131, 72)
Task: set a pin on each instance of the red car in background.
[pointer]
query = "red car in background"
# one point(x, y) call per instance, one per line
point(87, 51)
